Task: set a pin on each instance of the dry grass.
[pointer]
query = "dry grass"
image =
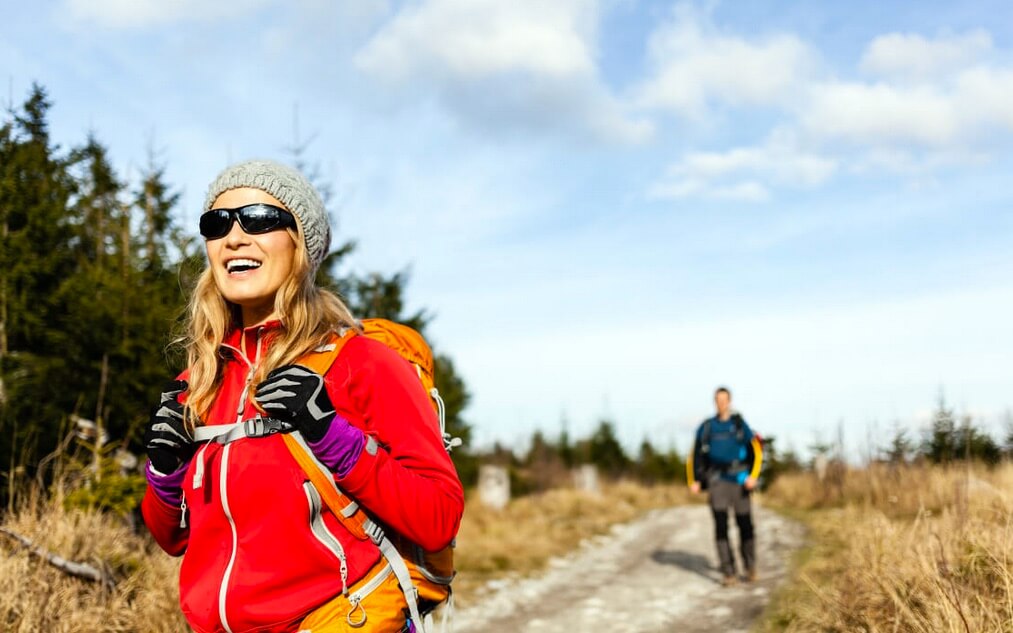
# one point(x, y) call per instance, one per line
point(530, 530)
point(35, 596)
point(913, 549)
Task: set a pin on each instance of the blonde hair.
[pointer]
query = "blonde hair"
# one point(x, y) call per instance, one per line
point(308, 316)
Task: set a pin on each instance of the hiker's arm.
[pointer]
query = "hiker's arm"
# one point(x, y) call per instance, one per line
point(696, 463)
point(691, 479)
point(163, 522)
point(409, 483)
point(756, 452)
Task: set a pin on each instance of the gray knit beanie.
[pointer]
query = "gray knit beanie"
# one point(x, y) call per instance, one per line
point(291, 188)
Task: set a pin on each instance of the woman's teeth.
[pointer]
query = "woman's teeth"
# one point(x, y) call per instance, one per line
point(241, 265)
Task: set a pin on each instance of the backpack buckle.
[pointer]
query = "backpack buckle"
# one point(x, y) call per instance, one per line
point(261, 427)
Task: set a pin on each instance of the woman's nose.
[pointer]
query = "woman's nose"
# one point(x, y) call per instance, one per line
point(236, 236)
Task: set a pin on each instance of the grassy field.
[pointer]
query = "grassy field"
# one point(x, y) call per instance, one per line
point(35, 596)
point(920, 549)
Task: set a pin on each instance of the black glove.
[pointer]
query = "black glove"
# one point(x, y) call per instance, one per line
point(297, 395)
point(168, 443)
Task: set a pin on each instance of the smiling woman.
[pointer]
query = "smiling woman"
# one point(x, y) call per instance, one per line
point(248, 446)
point(249, 265)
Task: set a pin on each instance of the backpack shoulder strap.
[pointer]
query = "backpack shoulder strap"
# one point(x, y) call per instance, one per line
point(705, 437)
point(321, 358)
point(341, 505)
point(740, 428)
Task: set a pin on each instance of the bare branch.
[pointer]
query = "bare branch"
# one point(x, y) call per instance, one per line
point(78, 570)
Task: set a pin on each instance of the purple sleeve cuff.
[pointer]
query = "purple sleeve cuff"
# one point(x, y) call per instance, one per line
point(340, 447)
point(168, 488)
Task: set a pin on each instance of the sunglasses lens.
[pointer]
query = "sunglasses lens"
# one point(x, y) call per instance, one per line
point(260, 218)
point(215, 223)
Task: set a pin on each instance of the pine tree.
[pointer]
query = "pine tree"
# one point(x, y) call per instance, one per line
point(654, 466)
point(1008, 424)
point(564, 446)
point(155, 201)
point(165, 262)
point(91, 325)
point(605, 451)
point(86, 302)
point(777, 462)
point(941, 445)
point(650, 464)
point(35, 259)
point(973, 443)
point(901, 448)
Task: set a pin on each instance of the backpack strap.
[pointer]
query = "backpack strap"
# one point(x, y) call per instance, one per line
point(705, 438)
point(740, 428)
point(740, 440)
point(320, 359)
point(343, 507)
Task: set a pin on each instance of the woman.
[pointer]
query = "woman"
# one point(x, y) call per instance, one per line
point(260, 552)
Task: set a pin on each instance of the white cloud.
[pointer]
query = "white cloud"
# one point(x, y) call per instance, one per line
point(128, 14)
point(904, 55)
point(502, 65)
point(736, 174)
point(930, 103)
point(472, 39)
point(986, 94)
point(344, 15)
point(881, 113)
point(683, 187)
point(975, 108)
point(933, 95)
point(696, 68)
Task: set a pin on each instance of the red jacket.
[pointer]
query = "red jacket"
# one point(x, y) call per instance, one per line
point(253, 561)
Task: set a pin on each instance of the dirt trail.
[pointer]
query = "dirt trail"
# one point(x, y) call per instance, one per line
point(655, 574)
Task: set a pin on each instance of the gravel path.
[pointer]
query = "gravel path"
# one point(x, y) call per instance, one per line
point(655, 574)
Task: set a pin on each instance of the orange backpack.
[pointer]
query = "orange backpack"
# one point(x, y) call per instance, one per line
point(421, 574)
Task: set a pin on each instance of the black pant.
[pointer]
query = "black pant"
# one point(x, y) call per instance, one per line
point(728, 496)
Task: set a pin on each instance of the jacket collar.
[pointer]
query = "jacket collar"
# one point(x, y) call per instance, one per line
point(244, 340)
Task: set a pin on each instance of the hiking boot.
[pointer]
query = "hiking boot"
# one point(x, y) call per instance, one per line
point(729, 581)
point(751, 575)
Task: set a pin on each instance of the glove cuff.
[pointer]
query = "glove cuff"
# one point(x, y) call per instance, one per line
point(168, 488)
point(340, 447)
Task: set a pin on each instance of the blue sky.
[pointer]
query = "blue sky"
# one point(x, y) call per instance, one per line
point(612, 206)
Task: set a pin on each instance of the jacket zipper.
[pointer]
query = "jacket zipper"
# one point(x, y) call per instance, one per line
point(322, 534)
point(223, 491)
point(235, 540)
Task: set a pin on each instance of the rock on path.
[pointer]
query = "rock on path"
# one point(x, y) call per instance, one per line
point(655, 574)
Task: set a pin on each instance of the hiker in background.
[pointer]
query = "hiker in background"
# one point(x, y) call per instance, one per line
point(726, 460)
point(246, 446)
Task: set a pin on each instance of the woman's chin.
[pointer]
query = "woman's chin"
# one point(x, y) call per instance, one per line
point(252, 307)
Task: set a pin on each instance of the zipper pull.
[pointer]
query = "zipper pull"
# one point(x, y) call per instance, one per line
point(182, 517)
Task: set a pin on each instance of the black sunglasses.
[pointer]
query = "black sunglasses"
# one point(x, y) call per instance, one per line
point(254, 219)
